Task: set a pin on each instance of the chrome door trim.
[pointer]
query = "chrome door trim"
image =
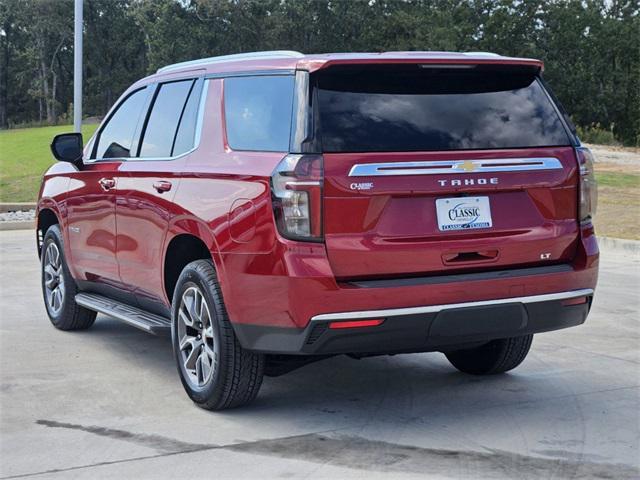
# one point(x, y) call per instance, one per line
point(441, 167)
point(395, 312)
point(196, 139)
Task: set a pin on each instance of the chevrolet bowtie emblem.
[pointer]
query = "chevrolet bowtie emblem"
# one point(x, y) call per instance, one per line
point(467, 166)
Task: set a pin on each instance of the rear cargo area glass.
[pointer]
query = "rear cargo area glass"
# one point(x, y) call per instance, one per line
point(258, 112)
point(425, 108)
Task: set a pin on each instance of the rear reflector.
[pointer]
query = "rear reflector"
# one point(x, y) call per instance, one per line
point(574, 301)
point(357, 323)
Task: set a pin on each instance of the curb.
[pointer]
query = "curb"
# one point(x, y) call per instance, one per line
point(620, 245)
point(17, 206)
point(28, 225)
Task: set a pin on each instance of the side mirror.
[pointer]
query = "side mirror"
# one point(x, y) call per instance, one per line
point(67, 147)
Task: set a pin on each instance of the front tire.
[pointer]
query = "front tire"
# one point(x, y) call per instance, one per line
point(58, 287)
point(497, 356)
point(216, 372)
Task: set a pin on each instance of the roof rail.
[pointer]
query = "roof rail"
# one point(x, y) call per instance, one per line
point(489, 54)
point(227, 58)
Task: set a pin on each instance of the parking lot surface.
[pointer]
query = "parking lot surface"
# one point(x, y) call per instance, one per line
point(107, 403)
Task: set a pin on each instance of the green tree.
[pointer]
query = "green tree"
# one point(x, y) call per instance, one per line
point(109, 70)
point(590, 47)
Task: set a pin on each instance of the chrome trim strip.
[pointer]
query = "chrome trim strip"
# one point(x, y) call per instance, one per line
point(196, 139)
point(441, 167)
point(395, 312)
point(200, 118)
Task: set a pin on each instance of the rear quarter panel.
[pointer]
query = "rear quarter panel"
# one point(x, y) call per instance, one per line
point(224, 197)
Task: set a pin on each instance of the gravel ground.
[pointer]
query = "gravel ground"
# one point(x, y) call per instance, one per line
point(618, 155)
point(19, 216)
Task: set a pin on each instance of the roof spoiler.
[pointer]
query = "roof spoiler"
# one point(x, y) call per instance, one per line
point(471, 59)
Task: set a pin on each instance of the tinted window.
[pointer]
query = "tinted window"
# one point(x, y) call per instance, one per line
point(187, 129)
point(116, 138)
point(411, 108)
point(162, 125)
point(258, 112)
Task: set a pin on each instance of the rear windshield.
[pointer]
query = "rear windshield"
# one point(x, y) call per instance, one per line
point(418, 107)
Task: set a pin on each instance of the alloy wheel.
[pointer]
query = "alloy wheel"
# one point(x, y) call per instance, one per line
point(196, 342)
point(53, 279)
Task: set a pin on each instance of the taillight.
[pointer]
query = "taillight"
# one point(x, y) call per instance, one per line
point(588, 187)
point(296, 187)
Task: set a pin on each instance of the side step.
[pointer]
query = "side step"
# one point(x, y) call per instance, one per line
point(135, 317)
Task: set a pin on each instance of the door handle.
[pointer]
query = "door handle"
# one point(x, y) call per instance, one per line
point(162, 186)
point(107, 183)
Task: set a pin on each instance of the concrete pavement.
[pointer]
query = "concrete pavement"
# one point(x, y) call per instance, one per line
point(107, 403)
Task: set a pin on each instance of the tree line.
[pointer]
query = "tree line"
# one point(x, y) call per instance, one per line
point(591, 48)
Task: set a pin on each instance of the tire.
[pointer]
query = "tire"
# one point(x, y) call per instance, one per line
point(58, 286)
point(216, 372)
point(497, 356)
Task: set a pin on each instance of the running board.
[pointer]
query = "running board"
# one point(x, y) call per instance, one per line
point(135, 317)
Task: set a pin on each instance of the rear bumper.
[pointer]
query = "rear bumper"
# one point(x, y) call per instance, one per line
point(420, 329)
point(279, 301)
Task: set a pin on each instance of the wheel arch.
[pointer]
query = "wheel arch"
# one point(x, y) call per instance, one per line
point(187, 241)
point(46, 218)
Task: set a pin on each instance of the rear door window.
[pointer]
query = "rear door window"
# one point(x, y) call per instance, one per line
point(164, 119)
point(420, 108)
point(258, 112)
point(185, 137)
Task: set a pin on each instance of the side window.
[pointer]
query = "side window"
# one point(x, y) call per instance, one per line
point(185, 138)
point(162, 124)
point(116, 137)
point(258, 112)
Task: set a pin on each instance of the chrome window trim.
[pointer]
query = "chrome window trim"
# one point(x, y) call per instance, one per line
point(200, 119)
point(443, 167)
point(395, 312)
point(196, 139)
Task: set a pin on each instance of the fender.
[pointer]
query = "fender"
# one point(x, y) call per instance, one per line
point(52, 195)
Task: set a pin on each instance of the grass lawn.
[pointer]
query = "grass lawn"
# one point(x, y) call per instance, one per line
point(618, 201)
point(617, 179)
point(24, 157)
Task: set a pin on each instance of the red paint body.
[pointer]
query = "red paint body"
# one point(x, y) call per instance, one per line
point(223, 198)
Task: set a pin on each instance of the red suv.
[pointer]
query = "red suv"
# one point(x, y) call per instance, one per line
point(271, 209)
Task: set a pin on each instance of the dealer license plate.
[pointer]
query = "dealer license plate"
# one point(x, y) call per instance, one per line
point(463, 213)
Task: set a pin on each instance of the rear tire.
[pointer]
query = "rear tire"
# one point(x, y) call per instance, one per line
point(58, 287)
point(497, 356)
point(216, 372)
